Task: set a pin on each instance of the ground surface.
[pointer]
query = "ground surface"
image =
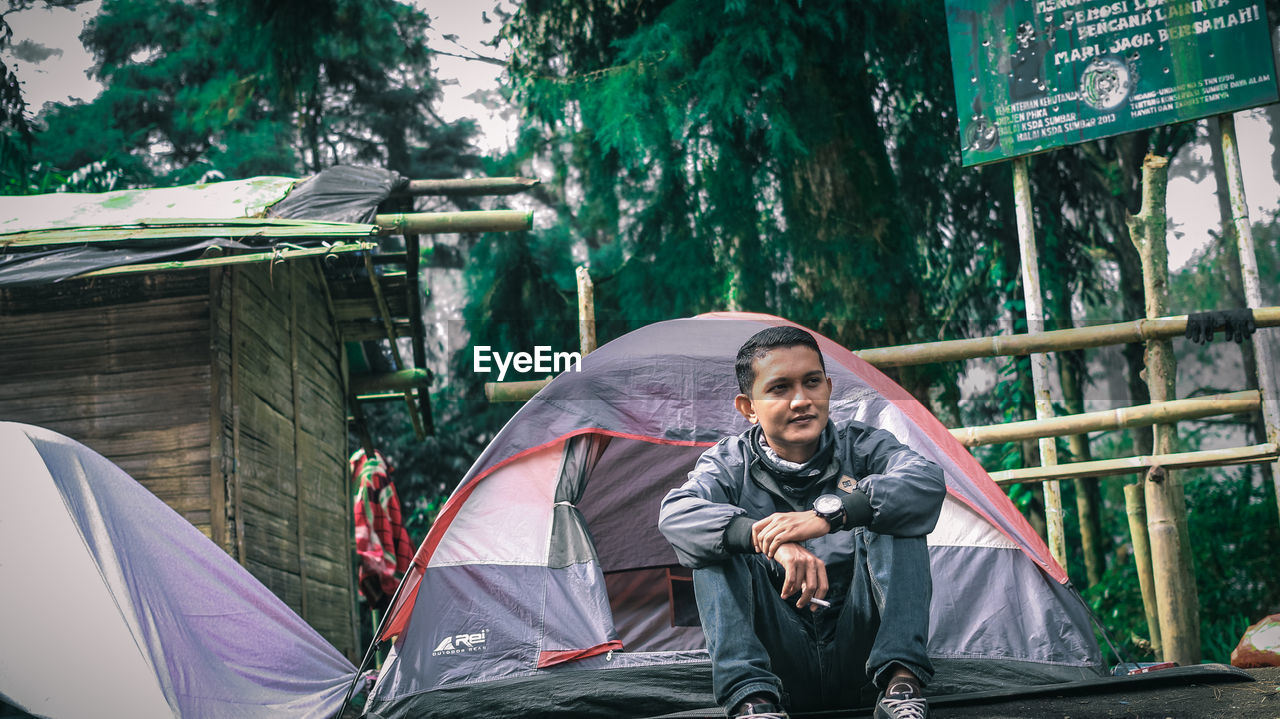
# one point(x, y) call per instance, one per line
point(1185, 699)
point(1207, 692)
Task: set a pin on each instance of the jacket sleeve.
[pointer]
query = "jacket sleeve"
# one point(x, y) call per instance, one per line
point(701, 518)
point(906, 490)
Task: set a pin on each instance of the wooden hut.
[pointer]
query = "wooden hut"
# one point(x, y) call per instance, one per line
point(218, 379)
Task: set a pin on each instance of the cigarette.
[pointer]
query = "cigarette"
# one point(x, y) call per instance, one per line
point(820, 602)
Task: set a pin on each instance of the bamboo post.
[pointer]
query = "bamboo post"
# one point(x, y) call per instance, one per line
point(1136, 509)
point(470, 186)
point(437, 223)
point(1252, 288)
point(521, 391)
point(413, 295)
point(1176, 593)
point(399, 382)
point(586, 311)
point(1039, 360)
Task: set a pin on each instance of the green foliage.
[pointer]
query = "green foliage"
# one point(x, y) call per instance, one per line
point(232, 88)
point(744, 154)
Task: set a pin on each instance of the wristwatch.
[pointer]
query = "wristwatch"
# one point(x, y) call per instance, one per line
point(830, 508)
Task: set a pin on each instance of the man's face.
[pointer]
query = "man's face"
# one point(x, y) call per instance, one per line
point(789, 400)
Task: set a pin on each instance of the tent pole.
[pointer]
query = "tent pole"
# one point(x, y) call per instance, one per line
point(1039, 360)
point(369, 653)
point(1252, 290)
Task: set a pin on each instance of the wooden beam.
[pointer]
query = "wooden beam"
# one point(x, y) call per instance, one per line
point(369, 330)
point(470, 187)
point(437, 223)
point(413, 301)
point(237, 495)
point(1253, 454)
point(401, 381)
point(396, 359)
point(217, 439)
point(1120, 418)
point(299, 471)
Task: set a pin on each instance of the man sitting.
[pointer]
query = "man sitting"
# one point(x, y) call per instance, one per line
point(799, 508)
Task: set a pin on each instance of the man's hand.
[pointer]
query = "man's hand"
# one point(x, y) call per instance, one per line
point(777, 529)
point(806, 574)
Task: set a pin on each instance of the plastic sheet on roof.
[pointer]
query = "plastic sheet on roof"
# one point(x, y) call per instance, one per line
point(224, 200)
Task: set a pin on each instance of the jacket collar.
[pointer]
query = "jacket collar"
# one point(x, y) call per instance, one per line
point(793, 486)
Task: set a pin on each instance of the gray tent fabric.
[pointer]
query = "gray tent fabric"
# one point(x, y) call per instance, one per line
point(117, 606)
point(570, 540)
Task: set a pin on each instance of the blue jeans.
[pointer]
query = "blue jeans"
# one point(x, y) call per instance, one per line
point(758, 642)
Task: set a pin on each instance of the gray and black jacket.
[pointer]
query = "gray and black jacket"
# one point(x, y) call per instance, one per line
point(893, 491)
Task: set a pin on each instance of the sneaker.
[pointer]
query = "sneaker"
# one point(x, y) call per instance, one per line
point(902, 700)
point(758, 706)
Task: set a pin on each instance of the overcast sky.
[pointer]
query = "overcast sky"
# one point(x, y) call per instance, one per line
point(52, 65)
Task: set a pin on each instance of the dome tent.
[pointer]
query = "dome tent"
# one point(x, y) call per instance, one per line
point(544, 585)
point(117, 606)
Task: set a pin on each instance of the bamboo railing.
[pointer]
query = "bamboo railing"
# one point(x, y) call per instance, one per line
point(1255, 454)
point(982, 347)
point(1120, 418)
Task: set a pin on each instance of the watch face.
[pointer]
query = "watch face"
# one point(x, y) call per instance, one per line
point(827, 504)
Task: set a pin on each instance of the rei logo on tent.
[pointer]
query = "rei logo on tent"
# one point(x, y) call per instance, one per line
point(459, 643)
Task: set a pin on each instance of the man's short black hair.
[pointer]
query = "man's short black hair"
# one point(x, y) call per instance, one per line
point(765, 341)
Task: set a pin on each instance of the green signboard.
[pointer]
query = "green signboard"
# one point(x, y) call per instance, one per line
point(1033, 75)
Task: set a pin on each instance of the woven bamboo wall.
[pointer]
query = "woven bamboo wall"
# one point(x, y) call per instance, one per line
point(281, 441)
point(141, 370)
point(121, 365)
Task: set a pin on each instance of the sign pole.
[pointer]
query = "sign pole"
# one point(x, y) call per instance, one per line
point(1039, 360)
point(1252, 289)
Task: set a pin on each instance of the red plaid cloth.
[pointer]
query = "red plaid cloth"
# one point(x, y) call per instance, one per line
point(382, 544)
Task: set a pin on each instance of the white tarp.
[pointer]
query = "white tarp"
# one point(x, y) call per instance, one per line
point(210, 200)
